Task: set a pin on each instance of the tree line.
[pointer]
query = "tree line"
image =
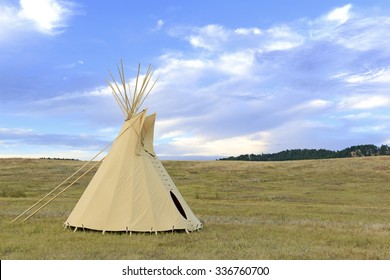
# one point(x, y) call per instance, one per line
point(50, 158)
point(302, 154)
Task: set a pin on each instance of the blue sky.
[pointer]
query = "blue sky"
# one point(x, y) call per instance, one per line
point(235, 77)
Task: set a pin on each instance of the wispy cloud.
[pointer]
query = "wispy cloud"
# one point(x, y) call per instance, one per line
point(309, 83)
point(71, 65)
point(365, 102)
point(292, 85)
point(160, 23)
point(32, 137)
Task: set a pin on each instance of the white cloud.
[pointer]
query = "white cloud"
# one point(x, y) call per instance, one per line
point(160, 24)
point(312, 105)
point(7, 14)
point(172, 133)
point(203, 146)
point(328, 26)
point(340, 15)
point(99, 91)
point(382, 76)
point(172, 63)
point(250, 90)
point(359, 116)
point(248, 31)
point(52, 152)
point(8, 21)
point(210, 37)
point(9, 132)
point(24, 142)
point(368, 129)
point(378, 76)
point(47, 15)
point(216, 37)
point(302, 90)
point(108, 130)
point(364, 102)
point(168, 129)
point(71, 65)
point(318, 103)
point(42, 16)
point(360, 78)
point(283, 38)
point(237, 63)
point(365, 33)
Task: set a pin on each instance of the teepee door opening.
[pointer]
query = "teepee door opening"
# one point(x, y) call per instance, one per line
point(178, 205)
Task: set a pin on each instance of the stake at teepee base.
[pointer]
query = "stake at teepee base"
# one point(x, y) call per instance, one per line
point(131, 191)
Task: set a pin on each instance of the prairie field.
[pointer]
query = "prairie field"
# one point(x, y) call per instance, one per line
point(312, 209)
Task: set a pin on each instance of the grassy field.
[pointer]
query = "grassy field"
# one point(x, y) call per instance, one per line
point(315, 209)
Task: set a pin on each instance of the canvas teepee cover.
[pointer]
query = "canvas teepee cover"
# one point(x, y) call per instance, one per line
point(132, 191)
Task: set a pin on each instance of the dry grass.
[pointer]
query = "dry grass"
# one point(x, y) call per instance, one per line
point(316, 209)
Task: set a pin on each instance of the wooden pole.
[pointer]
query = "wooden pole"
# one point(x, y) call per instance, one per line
point(56, 188)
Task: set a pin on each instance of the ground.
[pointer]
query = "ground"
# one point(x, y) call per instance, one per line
point(314, 209)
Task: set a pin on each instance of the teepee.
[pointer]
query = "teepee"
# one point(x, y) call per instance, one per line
point(131, 191)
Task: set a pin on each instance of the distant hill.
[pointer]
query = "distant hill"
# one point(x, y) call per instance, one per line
point(302, 154)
